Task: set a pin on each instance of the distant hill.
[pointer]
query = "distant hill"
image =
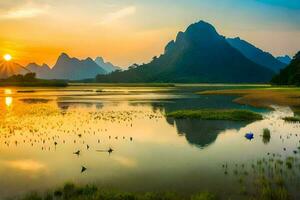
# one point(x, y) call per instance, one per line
point(66, 68)
point(8, 69)
point(289, 75)
point(107, 66)
point(41, 71)
point(284, 59)
point(197, 55)
point(256, 55)
point(75, 69)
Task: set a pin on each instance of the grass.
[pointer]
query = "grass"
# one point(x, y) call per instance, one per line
point(90, 192)
point(262, 97)
point(292, 119)
point(233, 115)
point(266, 135)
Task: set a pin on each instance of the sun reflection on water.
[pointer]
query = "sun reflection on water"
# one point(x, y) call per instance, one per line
point(7, 91)
point(8, 101)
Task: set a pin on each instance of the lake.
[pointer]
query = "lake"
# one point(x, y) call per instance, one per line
point(42, 129)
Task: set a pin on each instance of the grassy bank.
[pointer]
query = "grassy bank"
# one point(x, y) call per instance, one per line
point(30, 80)
point(263, 97)
point(233, 115)
point(43, 83)
point(73, 192)
point(74, 83)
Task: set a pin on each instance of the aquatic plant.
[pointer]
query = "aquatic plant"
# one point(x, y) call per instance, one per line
point(292, 119)
point(72, 192)
point(204, 196)
point(233, 115)
point(266, 135)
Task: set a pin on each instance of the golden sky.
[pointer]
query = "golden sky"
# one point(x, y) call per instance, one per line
point(133, 31)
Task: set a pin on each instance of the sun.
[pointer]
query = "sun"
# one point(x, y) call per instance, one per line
point(7, 57)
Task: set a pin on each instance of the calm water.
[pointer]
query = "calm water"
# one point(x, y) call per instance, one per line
point(41, 128)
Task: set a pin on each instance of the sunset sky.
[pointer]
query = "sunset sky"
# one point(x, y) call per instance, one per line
point(133, 31)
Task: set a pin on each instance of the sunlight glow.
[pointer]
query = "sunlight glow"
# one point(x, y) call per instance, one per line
point(7, 91)
point(8, 101)
point(7, 57)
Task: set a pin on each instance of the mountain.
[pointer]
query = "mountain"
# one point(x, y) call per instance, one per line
point(8, 69)
point(107, 66)
point(75, 69)
point(284, 59)
point(41, 71)
point(197, 55)
point(289, 75)
point(255, 54)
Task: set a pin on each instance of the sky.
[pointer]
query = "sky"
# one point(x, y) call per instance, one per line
point(133, 31)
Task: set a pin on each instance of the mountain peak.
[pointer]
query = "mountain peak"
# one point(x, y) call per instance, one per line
point(99, 59)
point(64, 56)
point(201, 27)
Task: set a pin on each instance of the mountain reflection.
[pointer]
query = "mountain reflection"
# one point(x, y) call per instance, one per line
point(202, 133)
point(64, 106)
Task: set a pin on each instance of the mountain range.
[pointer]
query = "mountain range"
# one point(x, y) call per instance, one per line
point(199, 54)
point(255, 54)
point(107, 66)
point(66, 68)
point(284, 59)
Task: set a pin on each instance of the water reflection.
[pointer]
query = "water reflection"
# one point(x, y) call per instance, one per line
point(7, 98)
point(8, 101)
point(202, 133)
point(39, 137)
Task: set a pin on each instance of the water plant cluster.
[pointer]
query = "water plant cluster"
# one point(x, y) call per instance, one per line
point(273, 177)
point(211, 114)
point(91, 192)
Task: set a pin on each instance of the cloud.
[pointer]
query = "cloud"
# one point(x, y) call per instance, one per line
point(122, 13)
point(28, 10)
point(25, 165)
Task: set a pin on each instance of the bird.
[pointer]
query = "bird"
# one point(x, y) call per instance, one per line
point(110, 150)
point(77, 153)
point(83, 169)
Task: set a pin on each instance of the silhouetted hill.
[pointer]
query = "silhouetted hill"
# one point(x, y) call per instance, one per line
point(8, 69)
point(107, 66)
point(75, 69)
point(284, 59)
point(41, 71)
point(255, 54)
point(199, 54)
point(289, 75)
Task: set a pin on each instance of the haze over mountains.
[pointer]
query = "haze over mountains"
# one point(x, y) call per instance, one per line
point(199, 54)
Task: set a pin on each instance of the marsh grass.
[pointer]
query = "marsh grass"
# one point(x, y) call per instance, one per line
point(262, 97)
point(233, 115)
point(266, 135)
point(292, 119)
point(89, 192)
point(271, 178)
